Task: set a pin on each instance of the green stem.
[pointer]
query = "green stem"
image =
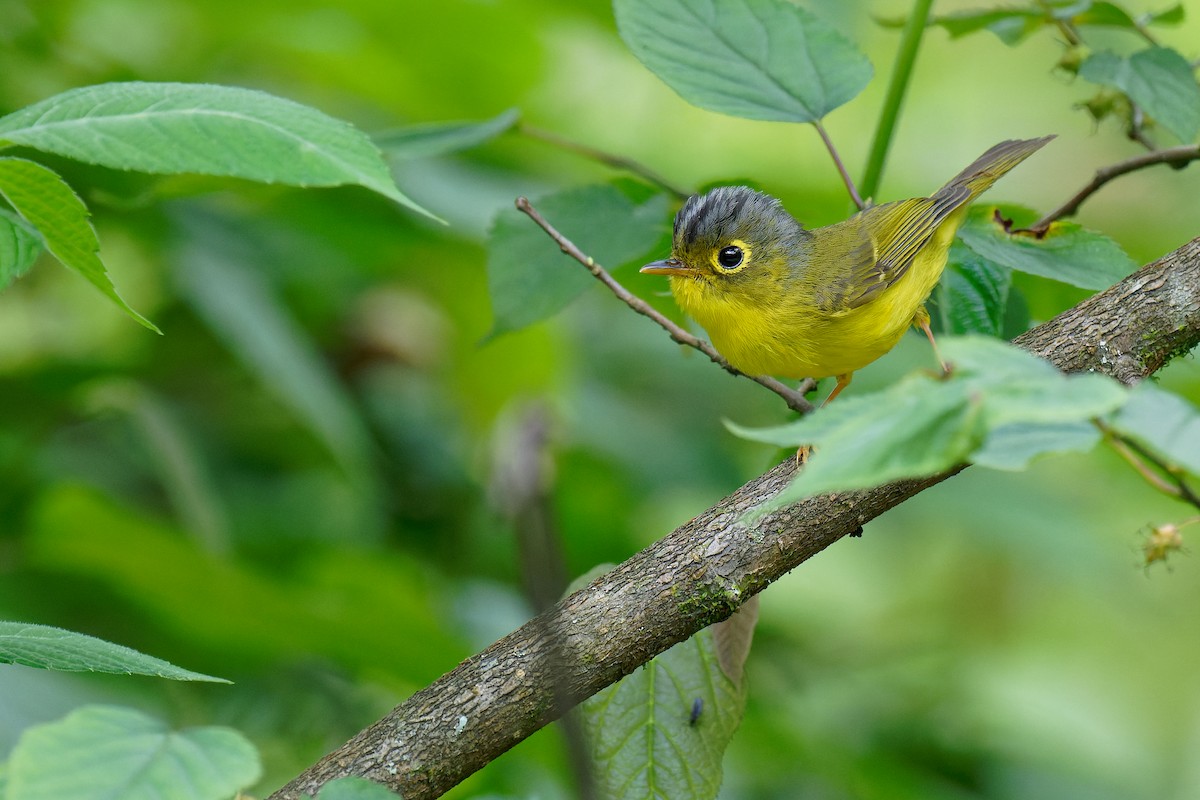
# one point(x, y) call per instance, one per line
point(910, 42)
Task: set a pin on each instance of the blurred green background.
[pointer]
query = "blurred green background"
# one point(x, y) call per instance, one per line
point(294, 487)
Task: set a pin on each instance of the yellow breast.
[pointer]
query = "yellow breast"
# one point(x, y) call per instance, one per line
point(788, 334)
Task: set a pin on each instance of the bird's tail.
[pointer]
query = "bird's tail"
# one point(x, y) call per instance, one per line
point(991, 166)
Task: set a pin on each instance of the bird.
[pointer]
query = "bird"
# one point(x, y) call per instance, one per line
point(779, 299)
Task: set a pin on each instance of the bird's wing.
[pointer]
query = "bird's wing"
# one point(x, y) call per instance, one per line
point(886, 240)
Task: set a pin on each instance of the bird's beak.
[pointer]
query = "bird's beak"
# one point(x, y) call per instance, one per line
point(668, 266)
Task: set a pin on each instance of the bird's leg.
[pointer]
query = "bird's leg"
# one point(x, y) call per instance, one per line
point(842, 382)
point(921, 320)
point(806, 450)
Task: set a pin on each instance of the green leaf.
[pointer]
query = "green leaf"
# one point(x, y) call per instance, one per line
point(223, 286)
point(172, 128)
point(1015, 446)
point(1001, 404)
point(1164, 422)
point(1068, 252)
point(768, 60)
point(1016, 318)
point(662, 730)
point(20, 247)
point(973, 293)
point(425, 141)
point(46, 647)
point(1105, 14)
point(353, 788)
point(529, 278)
point(919, 426)
point(1011, 25)
point(104, 752)
point(48, 204)
point(1158, 79)
point(1169, 16)
point(990, 362)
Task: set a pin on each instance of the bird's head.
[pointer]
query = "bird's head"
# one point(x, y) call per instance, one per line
point(732, 239)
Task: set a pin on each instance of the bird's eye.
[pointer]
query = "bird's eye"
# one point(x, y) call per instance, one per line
point(730, 257)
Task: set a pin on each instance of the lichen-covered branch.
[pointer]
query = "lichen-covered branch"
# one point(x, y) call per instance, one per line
point(703, 571)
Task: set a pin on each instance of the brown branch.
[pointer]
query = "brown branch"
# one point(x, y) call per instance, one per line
point(604, 157)
point(841, 167)
point(793, 397)
point(703, 571)
point(1177, 156)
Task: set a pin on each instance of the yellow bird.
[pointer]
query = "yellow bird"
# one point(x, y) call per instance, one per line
point(778, 299)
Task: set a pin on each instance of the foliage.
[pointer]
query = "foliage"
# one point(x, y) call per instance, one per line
point(53, 648)
point(101, 751)
point(166, 129)
point(290, 487)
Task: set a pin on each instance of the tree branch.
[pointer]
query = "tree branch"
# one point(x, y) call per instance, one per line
point(1176, 156)
point(703, 571)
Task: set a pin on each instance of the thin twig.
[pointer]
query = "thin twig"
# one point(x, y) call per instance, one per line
point(1064, 27)
point(604, 157)
point(1172, 155)
point(793, 397)
point(1150, 466)
point(841, 167)
point(1137, 127)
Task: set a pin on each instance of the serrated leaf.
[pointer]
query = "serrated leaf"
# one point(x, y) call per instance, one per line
point(354, 788)
point(1014, 447)
point(47, 647)
point(1044, 401)
point(1068, 252)
point(104, 752)
point(530, 279)
point(1010, 25)
point(20, 247)
point(425, 141)
point(1105, 14)
point(768, 60)
point(988, 362)
point(1164, 422)
point(52, 208)
point(1158, 79)
point(918, 427)
point(1000, 403)
point(173, 128)
point(662, 731)
point(973, 293)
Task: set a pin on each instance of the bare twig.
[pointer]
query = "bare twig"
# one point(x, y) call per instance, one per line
point(1172, 155)
point(604, 157)
point(1150, 466)
point(793, 397)
point(1137, 127)
point(837, 161)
